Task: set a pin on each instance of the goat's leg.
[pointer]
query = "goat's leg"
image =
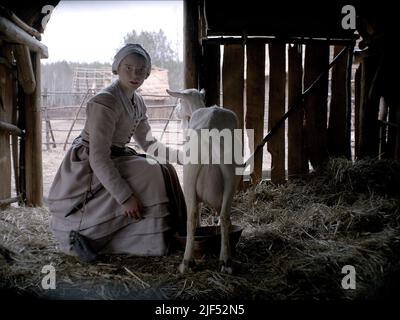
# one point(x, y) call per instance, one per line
point(225, 219)
point(190, 174)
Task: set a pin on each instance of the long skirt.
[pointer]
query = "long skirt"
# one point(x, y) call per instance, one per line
point(102, 220)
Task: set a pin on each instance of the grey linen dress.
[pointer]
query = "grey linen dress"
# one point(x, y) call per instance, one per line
point(111, 120)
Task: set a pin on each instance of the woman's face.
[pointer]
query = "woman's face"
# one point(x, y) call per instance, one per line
point(132, 71)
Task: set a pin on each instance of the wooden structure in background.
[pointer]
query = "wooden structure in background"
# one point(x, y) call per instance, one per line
point(20, 110)
point(243, 31)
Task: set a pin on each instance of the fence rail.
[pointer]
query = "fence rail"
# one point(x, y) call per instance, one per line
point(59, 121)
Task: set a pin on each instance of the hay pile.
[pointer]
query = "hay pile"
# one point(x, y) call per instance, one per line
point(296, 239)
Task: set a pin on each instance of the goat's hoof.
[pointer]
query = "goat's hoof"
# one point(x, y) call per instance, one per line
point(226, 267)
point(186, 266)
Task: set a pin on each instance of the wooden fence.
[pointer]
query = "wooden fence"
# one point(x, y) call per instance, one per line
point(61, 124)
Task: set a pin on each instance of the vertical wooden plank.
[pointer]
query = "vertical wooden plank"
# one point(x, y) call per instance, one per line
point(276, 103)
point(316, 60)
point(369, 108)
point(233, 79)
point(383, 129)
point(297, 158)
point(233, 82)
point(255, 102)
point(210, 74)
point(33, 141)
point(191, 47)
point(393, 142)
point(6, 105)
point(338, 139)
point(357, 94)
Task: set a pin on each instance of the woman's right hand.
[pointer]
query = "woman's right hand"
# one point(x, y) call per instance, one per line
point(133, 207)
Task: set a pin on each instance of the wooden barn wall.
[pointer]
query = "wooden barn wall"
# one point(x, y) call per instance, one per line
point(297, 158)
point(318, 129)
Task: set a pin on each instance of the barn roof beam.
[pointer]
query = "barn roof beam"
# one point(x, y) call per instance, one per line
point(12, 33)
point(266, 39)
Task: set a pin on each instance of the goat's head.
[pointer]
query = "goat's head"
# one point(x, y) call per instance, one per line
point(189, 101)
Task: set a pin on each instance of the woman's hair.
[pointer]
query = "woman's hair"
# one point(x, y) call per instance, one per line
point(131, 48)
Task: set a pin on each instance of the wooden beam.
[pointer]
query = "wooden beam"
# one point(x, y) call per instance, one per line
point(222, 40)
point(5, 202)
point(297, 158)
point(316, 60)
point(233, 82)
point(357, 96)
point(14, 140)
point(255, 102)
point(211, 74)
point(10, 128)
point(14, 34)
point(12, 17)
point(21, 123)
point(338, 138)
point(276, 103)
point(33, 141)
point(191, 46)
point(25, 70)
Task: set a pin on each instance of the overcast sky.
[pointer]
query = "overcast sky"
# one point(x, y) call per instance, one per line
point(88, 31)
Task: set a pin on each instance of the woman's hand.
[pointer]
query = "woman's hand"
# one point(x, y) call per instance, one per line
point(133, 207)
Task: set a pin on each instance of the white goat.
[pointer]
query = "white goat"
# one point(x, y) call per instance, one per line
point(213, 184)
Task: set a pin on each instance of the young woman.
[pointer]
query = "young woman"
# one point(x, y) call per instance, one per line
point(106, 198)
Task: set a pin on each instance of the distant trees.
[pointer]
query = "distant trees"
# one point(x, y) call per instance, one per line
point(161, 54)
point(58, 76)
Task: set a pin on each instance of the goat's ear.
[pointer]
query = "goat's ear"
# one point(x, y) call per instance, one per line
point(203, 92)
point(176, 94)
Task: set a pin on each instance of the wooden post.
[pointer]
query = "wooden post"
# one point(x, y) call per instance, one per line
point(210, 77)
point(338, 139)
point(191, 46)
point(25, 71)
point(22, 142)
point(277, 86)
point(14, 138)
point(357, 96)
point(349, 94)
point(393, 144)
point(33, 141)
point(297, 158)
point(6, 95)
point(46, 119)
point(383, 128)
point(233, 82)
point(316, 60)
point(255, 102)
point(369, 108)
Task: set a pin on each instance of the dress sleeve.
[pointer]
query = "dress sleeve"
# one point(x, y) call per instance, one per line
point(145, 139)
point(101, 121)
